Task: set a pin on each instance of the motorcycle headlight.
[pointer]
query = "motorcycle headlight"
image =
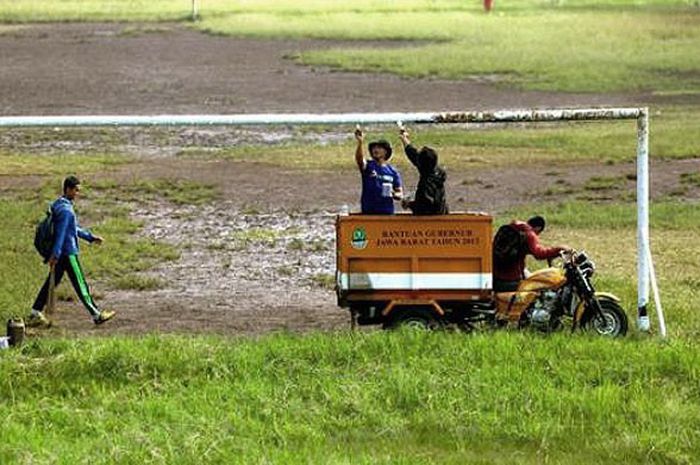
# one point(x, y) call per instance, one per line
point(581, 258)
point(585, 264)
point(587, 268)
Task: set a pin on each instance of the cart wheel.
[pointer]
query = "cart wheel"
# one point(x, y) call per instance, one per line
point(415, 318)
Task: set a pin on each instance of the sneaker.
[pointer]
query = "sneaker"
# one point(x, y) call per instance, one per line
point(105, 315)
point(38, 320)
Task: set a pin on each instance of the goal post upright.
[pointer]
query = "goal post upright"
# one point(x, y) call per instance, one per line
point(641, 115)
point(643, 245)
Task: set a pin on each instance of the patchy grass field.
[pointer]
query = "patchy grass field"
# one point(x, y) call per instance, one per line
point(531, 44)
point(577, 45)
point(139, 10)
point(551, 50)
point(368, 397)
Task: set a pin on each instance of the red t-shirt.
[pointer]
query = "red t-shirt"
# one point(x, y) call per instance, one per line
point(515, 271)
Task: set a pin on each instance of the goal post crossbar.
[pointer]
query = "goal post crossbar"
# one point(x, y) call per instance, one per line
point(501, 116)
point(641, 115)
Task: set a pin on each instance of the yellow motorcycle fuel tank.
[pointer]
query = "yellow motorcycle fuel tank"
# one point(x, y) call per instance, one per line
point(547, 278)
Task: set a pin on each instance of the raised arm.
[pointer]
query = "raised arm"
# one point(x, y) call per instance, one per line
point(360, 150)
point(410, 150)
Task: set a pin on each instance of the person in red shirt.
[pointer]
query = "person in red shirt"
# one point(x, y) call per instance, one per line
point(507, 276)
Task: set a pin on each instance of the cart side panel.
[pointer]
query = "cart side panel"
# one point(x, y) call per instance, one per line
point(404, 252)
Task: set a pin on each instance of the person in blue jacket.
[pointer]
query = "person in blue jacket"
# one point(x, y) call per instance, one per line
point(381, 182)
point(64, 257)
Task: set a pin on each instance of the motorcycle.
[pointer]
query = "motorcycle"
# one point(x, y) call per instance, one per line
point(551, 297)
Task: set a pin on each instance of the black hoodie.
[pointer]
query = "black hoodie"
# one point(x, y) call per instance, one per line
point(430, 193)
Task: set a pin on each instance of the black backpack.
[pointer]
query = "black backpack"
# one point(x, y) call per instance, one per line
point(44, 235)
point(508, 245)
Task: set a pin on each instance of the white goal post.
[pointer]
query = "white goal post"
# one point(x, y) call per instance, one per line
point(194, 16)
point(641, 115)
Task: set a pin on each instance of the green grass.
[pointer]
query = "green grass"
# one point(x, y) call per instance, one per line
point(173, 10)
point(576, 46)
point(244, 238)
point(603, 183)
point(177, 191)
point(572, 45)
point(572, 51)
point(138, 282)
point(65, 138)
point(93, 10)
point(324, 280)
point(692, 178)
point(664, 215)
point(58, 165)
point(405, 398)
point(178, 10)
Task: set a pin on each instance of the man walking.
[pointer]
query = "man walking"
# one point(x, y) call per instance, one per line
point(64, 257)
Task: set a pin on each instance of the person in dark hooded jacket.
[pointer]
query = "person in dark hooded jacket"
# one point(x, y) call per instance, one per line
point(430, 193)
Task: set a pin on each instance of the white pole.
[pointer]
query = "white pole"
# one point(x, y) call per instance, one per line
point(195, 10)
point(655, 288)
point(502, 116)
point(642, 220)
point(212, 120)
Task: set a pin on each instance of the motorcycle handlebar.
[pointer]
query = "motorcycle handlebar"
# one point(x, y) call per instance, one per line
point(567, 255)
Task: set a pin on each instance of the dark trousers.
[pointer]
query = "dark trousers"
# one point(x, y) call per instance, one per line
point(71, 265)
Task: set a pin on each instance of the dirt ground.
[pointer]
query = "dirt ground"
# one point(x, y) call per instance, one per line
point(111, 69)
point(260, 258)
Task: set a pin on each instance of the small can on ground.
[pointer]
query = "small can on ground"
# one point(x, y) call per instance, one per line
point(15, 331)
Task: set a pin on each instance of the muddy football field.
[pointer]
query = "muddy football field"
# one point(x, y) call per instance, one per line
point(261, 257)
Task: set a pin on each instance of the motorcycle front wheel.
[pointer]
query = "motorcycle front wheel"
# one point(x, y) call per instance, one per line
point(613, 323)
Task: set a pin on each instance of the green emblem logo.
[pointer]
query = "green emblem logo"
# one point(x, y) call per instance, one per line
point(359, 238)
